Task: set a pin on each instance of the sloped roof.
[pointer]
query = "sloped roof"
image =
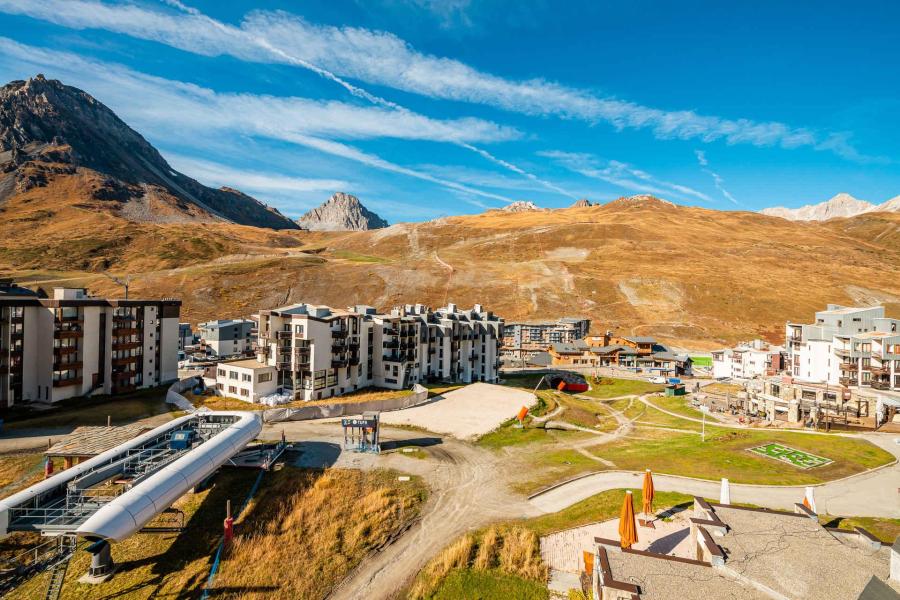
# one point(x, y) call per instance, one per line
point(576, 347)
point(91, 441)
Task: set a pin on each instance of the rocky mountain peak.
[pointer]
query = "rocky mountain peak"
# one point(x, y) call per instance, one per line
point(49, 130)
point(341, 212)
point(520, 206)
point(840, 205)
point(582, 203)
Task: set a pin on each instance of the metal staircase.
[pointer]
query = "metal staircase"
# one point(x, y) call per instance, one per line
point(58, 569)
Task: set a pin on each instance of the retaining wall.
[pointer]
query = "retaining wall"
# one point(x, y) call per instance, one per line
point(338, 409)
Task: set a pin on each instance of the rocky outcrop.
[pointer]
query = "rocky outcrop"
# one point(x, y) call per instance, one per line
point(841, 205)
point(49, 130)
point(521, 206)
point(582, 203)
point(341, 212)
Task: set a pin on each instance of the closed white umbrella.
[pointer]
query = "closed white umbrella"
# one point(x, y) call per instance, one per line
point(725, 492)
point(809, 501)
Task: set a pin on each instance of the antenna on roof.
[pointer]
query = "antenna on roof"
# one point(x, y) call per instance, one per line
point(121, 282)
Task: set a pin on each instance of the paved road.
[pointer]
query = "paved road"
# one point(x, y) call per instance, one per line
point(469, 489)
point(874, 494)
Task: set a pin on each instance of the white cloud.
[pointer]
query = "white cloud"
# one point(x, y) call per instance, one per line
point(717, 180)
point(382, 58)
point(217, 175)
point(622, 175)
point(169, 107)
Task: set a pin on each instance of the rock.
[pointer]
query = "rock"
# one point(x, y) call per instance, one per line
point(582, 203)
point(341, 212)
point(521, 206)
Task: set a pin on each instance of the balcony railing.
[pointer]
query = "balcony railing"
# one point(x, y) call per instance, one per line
point(847, 381)
point(339, 333)
point(70, 319)
point(848, 366)
point(120, 375)
point(391, 358)
point(127, 345)
point(62, 334)
point(337, 364)
point(881, 385)
point(67, 382)
point(64, 350)
point(124, 361)
point(67, 366)
point(284, 335)
point(123, 331)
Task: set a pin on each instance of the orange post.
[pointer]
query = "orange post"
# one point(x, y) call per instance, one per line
point(229, 523)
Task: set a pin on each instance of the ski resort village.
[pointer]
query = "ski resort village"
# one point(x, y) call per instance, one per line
point(428, 452)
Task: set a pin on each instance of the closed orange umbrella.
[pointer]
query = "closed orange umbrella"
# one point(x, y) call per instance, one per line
point(627, 526)
point(647, 493)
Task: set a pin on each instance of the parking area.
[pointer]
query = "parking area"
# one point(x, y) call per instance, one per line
point(465, 413)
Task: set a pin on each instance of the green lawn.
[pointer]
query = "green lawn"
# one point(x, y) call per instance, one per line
point(725, 454)
point(610, 388)
point(473, 584)
point(887, 530)
point(600, 507)
point(702, 361)
point(680, 405)
point(93, 411)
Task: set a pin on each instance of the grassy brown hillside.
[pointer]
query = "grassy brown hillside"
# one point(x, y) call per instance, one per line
point(694, 276)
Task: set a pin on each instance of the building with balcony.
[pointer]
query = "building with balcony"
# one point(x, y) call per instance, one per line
point(320, 352)
point(748, 360)
point(74, 344)
point(227, 337)
point(848, 347)
point(248, 379)
point(524, 339)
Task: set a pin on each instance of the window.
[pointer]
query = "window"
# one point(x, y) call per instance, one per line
point(246, 377)
point(245, 392)
point(264, 377)
point(232, 375)
point(232, 389)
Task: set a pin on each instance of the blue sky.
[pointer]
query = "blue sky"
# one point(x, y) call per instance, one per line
point(425, 108)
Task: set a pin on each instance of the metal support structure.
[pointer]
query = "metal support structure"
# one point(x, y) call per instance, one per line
point(362, 434)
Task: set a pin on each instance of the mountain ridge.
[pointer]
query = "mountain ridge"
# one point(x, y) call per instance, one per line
point(341, 212)
point(839, 206)
point(49, 131)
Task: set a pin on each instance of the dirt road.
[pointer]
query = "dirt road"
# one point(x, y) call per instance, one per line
point(469, 488)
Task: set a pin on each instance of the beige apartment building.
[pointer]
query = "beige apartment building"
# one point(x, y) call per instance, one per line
point(320, 352)
point(74, 344)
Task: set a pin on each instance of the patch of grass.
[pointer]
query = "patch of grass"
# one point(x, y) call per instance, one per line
point(351, 256)
point(887, 530)
point(21, 469)
point(600, 507)
point(509, 434)
point(680, 405)
point(487, 585)
point(527, 382)
point(702, 361)
point(608, 387)
point(438, 389)
point(724, 454)
point(307, 530)
point(93, 411)
point(505, 556)
point(363, 395)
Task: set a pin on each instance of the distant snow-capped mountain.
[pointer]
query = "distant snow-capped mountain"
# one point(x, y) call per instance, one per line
point(842, 205)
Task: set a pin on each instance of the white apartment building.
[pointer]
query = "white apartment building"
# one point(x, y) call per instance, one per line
point(247, 379)
point(525, 339)
point(227, 337)
point(320, 352)
point(747, 360)
point(846, 346)
point(74, 344)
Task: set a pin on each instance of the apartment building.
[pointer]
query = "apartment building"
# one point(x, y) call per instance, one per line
point(247, 379)
point(524, 339)
point(227, 337)
point(185, 336)
point(748, 360)
point(846, 346)
point(74, 344)
point(320, 352)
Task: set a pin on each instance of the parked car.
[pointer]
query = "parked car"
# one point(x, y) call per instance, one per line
point(657, 379)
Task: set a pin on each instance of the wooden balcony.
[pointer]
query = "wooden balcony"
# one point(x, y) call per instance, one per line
point(882, 370)
point(123, 331)
point(73, 319)
point(846, 381)
point(67, 366)
point(127, 345)
point(120, 375)
point(65, 350)
point(848, 366)
point(66, 382)
point(124, 361)
point(880, 385)
point(65, 334)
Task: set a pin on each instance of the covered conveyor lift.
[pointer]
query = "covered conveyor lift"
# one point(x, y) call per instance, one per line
point(114, 494)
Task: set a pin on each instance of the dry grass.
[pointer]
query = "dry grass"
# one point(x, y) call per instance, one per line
point(307, 530)
point(364, 395)
point(622, 263)
point(509, 550)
